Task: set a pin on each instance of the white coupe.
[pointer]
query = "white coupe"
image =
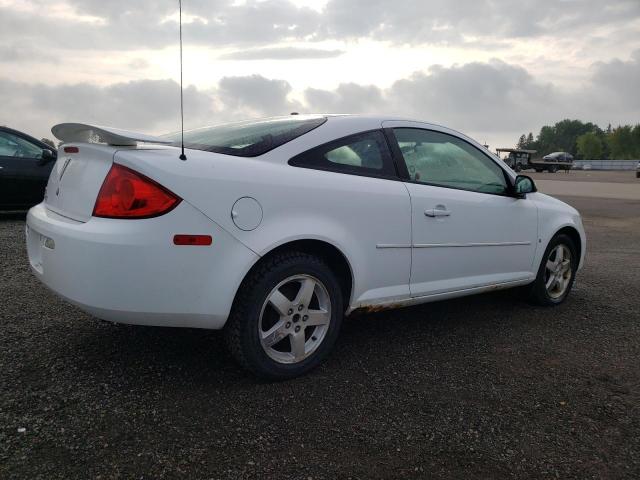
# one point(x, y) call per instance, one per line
point(274, 229)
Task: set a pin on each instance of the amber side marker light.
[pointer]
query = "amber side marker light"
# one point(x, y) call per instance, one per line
point(195, 240)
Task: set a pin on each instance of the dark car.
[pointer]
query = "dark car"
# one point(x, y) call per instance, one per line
point(25, 165)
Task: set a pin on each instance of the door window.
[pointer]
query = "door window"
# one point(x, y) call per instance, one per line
point(362, 154)
point(436, 158)
point(15, 146)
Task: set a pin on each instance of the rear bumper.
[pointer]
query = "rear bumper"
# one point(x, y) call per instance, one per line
point(129, 271)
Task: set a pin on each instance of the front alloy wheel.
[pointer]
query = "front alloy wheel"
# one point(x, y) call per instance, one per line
point(556, 273)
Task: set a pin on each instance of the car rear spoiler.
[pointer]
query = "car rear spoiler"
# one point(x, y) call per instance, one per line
point(83, 132)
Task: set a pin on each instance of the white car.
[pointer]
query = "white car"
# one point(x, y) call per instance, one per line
point(274, 229)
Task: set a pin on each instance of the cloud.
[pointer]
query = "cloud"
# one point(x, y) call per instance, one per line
point(282, 53)
point(138, 64)
point(129, 25)
point(256, 95)
point(492, 101)
point(346, 98)
point(24, 53)
point(620, 80)
point(125, 24)
point(147, 105)
point(444, 21)
point(490, 96)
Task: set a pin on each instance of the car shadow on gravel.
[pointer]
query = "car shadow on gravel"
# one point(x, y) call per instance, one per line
point(193, 356)
point(12, 216)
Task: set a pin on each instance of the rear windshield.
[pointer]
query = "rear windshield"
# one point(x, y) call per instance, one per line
point(250, 138)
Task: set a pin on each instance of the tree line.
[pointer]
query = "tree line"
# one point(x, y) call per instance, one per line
point(585, 141)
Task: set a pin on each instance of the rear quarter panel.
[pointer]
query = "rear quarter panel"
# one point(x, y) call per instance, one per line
point(353, 213)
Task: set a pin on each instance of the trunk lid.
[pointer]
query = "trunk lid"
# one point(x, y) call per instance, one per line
point(83, 164)
point(76, 179)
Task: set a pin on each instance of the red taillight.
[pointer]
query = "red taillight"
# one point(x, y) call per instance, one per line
point(71, 149)
point(129, 194)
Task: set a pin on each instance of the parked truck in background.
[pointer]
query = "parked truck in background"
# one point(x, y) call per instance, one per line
point(520, 159)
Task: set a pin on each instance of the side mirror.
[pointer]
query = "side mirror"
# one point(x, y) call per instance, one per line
point(47, 156)
point(523, 185)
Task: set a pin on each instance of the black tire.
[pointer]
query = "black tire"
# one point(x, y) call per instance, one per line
point(538, 293)
point(553, 169)
point(539, 170)
point(244, 323)
point(518, 168)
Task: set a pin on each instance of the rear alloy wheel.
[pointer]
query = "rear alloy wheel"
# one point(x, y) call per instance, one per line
point(291, 330)
point(286, 316)
point(556, 273)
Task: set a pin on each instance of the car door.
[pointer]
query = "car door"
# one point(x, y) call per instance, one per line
point(367, 210)
point(23, 176)
point(467, 232)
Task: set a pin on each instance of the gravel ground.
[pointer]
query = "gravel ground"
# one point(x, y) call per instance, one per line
point(481, 387)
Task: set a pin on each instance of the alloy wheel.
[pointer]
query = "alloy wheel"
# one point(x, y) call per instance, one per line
point(558, 271)
point(294, 319)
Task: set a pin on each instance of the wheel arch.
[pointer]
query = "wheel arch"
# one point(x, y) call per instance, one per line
point(574, 235)
point(330, 253)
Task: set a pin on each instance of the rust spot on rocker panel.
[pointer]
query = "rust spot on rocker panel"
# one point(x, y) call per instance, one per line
point(364, 309)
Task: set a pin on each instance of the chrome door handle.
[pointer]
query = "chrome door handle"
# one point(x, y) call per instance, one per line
point(437, 212)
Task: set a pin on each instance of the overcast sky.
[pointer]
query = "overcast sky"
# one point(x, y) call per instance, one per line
point(492, 69)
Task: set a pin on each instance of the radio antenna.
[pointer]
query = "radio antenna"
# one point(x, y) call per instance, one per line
point(182, 155)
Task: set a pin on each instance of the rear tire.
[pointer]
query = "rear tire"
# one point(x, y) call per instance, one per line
point(553, 169)
point(557, 272)
point(286, 316)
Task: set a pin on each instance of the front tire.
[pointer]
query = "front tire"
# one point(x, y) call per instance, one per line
point(286, 316)
point(557, 272)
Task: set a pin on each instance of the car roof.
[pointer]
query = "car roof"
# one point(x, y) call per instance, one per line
point(362, 117)
point(375, 120)
point(339, 125)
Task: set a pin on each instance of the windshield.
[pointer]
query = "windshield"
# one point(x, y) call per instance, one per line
point(249, 138)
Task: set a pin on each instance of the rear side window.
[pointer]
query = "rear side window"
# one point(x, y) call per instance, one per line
point(361, 154)
point(251, 138)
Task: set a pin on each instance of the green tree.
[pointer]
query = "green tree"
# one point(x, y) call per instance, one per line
point(621, 142)
point(546, 141)
point(531, 144)
point(635, 139)
point(589, 146)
